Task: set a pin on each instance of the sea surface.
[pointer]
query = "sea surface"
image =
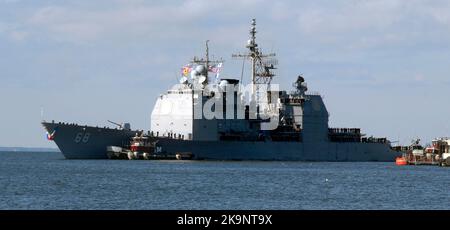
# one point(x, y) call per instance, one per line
point(47, 181)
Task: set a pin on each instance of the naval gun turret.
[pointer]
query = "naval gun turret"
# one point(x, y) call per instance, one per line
point(124, 126)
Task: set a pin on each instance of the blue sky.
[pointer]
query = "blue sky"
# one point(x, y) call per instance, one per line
point(380, 65)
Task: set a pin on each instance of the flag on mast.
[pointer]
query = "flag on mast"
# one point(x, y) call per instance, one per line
point(186, 70)
point(216, 69)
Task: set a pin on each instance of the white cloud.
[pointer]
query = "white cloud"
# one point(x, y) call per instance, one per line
point(357, 24)
point(348, 17)
point(133, 19)
point(372, 23)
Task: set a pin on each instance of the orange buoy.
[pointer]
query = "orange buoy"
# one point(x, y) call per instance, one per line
point(400, 161)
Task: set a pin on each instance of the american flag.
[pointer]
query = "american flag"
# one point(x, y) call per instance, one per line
point(51, 136)
point(215, 69)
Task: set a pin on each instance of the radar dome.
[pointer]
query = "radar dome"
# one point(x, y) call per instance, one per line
point(194, 74)
point(183, 80)
point(223, 84)
point(201, 79)
point(200, 69)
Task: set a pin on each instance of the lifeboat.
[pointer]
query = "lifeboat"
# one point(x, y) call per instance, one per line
point(401, 161)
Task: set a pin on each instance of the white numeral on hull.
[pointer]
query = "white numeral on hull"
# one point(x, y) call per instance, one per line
point(82, 138)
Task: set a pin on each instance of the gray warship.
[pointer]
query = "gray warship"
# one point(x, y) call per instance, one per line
point(212, 118)
point(87, 142)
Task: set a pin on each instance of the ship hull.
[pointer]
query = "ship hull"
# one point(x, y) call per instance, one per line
point(282, 151)
point(86, 142)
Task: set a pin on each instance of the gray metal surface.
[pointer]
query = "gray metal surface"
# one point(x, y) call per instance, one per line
point(86, 142)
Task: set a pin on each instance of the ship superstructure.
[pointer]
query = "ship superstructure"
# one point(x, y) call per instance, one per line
point(194, 116)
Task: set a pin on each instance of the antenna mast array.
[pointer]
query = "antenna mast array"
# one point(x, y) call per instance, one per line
point(206, 62)
point(262, 64)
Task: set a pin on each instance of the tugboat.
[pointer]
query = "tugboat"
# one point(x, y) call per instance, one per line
point(441, 147)
point(416, 153)
point(413, 154)
point(141, 147)
point(435, 154)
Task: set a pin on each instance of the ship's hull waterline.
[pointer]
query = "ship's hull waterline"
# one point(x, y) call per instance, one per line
point(282, 151)
point(94, 147)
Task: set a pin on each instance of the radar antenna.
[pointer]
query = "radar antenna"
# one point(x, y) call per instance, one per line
point(206, 63)
point(262, 64)
point(207, 59)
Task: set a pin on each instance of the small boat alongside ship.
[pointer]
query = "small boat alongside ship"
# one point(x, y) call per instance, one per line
point(143, 147)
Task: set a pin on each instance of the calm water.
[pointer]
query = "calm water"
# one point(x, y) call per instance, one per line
point(47, 181)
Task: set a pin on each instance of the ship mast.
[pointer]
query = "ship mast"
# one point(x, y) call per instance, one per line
point(206, 62)
point(262, 65)
point(252, 46)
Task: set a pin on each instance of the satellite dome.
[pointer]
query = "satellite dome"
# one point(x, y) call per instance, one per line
point(183, 80)
point(200, 69)
point(194, 74)
point(223, 84)
point(201, 79)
